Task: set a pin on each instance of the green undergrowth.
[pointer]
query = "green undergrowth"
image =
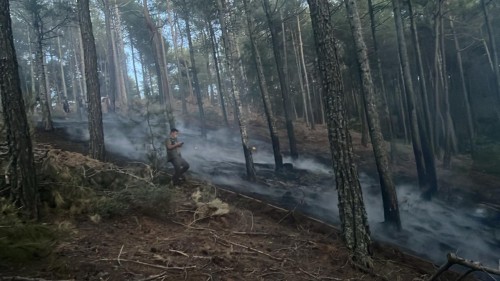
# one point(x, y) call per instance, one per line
point(23, 241)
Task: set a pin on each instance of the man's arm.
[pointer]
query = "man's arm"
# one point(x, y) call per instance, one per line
point(171, 146)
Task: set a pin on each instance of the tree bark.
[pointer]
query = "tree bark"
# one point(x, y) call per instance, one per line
point(355, 229)
point(63, 76)
point(422, 77)
point(493, 47)
point(96, 143)
point(220, 87)
point(304, 71)
point(285, 91)
point(410, 97)
point(233, 62)
point(468, 111)
point(161, 68)
point(43, 95)
point(196, 81)
point(271, 122)
point(111, 58)
point(388, 190)
point(22, 173)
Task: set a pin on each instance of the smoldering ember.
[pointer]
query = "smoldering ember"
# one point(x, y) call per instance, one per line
point(250, 140)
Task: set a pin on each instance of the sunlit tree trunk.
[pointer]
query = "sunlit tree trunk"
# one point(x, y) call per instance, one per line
point(355, 229)
point(121, 64)
point(389, 197)
point(304, 71)
point(96, 143)
point(161, 68)
point(173, 32)
point(220, 88)
point(133, 65)
point(111, 58)
point(63, 76)
point(271, 122)
point(285, 91)
point(233, 62)
point(197, 89)
point(43, 94)
point(21, 172)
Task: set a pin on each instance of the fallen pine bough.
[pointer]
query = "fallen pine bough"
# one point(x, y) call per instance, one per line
point(472, 265)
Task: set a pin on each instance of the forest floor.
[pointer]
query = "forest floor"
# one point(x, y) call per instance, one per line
point(246, 240)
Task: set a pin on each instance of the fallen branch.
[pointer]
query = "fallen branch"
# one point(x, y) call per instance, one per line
point(248, 248)
point(318, 277)
point(152, 265)
point(473, 265)
point(19, 278)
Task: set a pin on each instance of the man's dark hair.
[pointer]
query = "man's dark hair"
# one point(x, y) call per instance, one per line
point(174, 130)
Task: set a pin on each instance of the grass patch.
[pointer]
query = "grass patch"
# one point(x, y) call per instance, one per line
point(486, 158)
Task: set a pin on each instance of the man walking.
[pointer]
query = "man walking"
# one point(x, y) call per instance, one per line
point(174, 156)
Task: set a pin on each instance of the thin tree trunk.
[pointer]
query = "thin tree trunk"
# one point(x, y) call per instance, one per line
point(22, 170)
point(468, 111)
point(161, 68)
point(121, 60)
point(195, 76)
point(422, 78)
point(82, 65)
point(285, 91)
point(96, 143)
point(133, 65)
point(493, 47)
point(173, 32)
point(45, 102)
point(113, 79)
point(301, 83)
point(220, 87)
point(233, 62)
point(304, 71)
point(389, 196)
point(355, 229)
point(412, 114)
point(63, 76)
point(271, 122)
point(444, 75)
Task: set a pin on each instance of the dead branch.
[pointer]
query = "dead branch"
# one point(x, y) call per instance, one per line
point(248, 248)
point(19, 278)
point(152, 265)
point(119, 254)
point(251, 233)
point(472, 265)
point(179, 252)
point(318, 277)
point(153, 277)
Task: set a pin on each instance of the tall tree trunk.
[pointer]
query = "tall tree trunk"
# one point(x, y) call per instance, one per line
point(173, 32)
point(304, 71)
point(43, 95)
point(111, 58)
point(388, 190)
point(271, 122)
point(63, 76)
point(444, 75)
point(22, 170)
point(355, 229)
point(285, 91)
point(197, 89)
point(121, 63)
point(493, 47)
point(426, 112)
point(301, 82)
point(133, 65)
point(96, 143)
point(410, 96)
point(220, 88)
point(233, 62)
point(161, 68)
point(468, 111)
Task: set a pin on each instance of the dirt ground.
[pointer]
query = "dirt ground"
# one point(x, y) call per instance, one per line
point(254, 241)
